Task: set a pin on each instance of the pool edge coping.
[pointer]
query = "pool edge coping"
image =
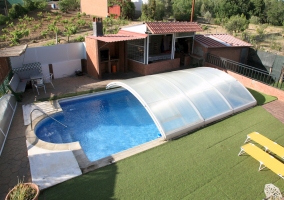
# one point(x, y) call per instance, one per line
point(84, 163)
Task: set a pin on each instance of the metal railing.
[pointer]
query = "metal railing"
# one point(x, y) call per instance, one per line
point(246, 70)
point(46, 115)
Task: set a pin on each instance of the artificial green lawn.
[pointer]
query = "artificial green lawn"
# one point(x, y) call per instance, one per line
point(202, 165)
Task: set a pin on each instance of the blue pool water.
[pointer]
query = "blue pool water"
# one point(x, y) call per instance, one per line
point(104, 124)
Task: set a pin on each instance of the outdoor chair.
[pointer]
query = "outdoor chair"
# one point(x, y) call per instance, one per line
point(38, 83)
point(264, 159)
point(48, 79)
point(268, 144)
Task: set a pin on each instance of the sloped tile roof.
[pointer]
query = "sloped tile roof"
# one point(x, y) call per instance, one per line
point(122, 35)
point(172, 27)
point(13, 51)
point(220, 40)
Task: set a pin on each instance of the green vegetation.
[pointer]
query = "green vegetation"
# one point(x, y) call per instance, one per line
point(201, 165)
point(127, 8)
point(66, 5)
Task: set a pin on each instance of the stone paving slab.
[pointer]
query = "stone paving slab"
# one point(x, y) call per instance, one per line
point(276, 108)
point(51, 167)
point(14, 162)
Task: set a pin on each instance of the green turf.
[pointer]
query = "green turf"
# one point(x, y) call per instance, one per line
point(201, 165)
point(261, 97)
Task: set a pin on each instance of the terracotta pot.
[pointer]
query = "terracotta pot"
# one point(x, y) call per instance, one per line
point(31, 185)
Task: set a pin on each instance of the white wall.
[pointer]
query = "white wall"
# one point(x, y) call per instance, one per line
point(65, 58)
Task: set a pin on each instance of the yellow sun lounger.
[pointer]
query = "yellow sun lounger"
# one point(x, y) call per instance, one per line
point(266, 143)
point(265, 159)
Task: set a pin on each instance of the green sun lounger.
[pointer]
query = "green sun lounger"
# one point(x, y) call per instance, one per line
point(265, 159)
point(268, 144)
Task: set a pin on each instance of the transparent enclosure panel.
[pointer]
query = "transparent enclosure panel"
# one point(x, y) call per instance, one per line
point(169, 105)
point(236, 94)
point(206, 99)
point(185, 98)
point(233, 91)
point(6, 113)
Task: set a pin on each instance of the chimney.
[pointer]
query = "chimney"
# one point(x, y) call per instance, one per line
point(97, 27)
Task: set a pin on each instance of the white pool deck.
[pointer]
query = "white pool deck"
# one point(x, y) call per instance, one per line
point(51, 164)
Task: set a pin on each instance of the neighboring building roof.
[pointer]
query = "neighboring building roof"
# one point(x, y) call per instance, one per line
point(164, 27)
point(184, 100)
point(122, 35)
point(13, 51)
point(172, 27)
point(220, 40)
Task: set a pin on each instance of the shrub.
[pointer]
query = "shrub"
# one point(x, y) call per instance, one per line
point(204, 27)
point(237, 23)
point(80, 39)
point(16, 11)
point(3, 19)
point(65, 5)
point(254, 20)
point(49, 43)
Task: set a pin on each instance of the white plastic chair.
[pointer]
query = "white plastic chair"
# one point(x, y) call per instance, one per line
point(38, 83)
point(48, 79)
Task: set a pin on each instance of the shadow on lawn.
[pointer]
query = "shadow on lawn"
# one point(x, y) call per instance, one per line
point(258, 96)
point(98, 184)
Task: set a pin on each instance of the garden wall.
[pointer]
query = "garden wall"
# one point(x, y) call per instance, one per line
point(253, 84)
point(61, 60)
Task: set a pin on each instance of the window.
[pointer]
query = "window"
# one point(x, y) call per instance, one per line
point(135, 50)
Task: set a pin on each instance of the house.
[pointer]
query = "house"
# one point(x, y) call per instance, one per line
point(222, 45)
point(147, 48)
point(101, 8)
point(98, 8)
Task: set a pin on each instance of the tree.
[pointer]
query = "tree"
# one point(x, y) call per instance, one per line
point(258, 10)
point(70, 30)
point(152, 9)
point(275, 12)
point(160, 10)
point(168, 8)
point(65, 5)
point(208, 16)
point(128, 10)
point(144, 14)
point(182, 10)
point(237, 23)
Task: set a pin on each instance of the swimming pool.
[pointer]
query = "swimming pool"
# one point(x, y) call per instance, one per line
point(104, 124)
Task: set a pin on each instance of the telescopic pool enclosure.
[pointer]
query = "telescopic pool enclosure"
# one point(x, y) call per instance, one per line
point(184, 100)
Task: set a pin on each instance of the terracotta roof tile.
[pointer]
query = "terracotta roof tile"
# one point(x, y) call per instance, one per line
point(220, 40)
point(172, 27)
point(120, 36)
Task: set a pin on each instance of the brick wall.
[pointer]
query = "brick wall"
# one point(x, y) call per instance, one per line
point(225, 52)
point(93, 68)
point(4, 69)
point(253, 84)
point(98, 8)
point(229, 53)
point(114, 10)
point(154, 68)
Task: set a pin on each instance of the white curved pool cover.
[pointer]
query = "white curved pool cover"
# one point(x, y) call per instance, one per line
point(184, 100)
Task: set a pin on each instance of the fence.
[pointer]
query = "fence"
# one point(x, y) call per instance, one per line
point(8, 105)
point(248, 71)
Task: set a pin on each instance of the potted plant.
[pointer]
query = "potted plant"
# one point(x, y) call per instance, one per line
point(23, 191)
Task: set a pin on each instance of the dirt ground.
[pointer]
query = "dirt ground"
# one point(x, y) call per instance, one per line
point(273, 40)
point(36, 39)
